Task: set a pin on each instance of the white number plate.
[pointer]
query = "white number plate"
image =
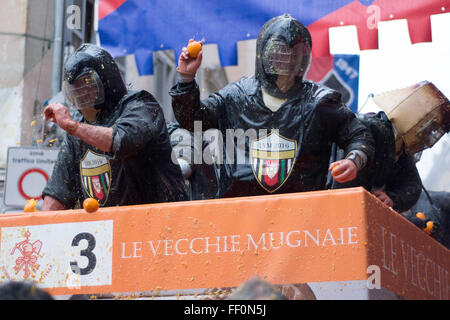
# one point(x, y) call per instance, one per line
point(58, 255)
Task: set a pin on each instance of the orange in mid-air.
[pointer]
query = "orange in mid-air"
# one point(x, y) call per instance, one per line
point(90, 205)
point(194, 48)
point(30, 206)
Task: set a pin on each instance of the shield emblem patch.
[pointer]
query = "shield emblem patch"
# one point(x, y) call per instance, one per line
point(272, 158)
point(96, 176)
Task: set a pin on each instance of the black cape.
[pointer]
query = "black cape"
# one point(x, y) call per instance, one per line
point(139, 169)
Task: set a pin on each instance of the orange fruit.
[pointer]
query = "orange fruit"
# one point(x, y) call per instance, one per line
point(90, 205)
point(420, 215)
point(194, 48)
point(334, 171)
point(30, 206)
point(429, 227)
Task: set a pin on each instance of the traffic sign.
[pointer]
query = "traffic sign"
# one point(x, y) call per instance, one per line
point(27, 173)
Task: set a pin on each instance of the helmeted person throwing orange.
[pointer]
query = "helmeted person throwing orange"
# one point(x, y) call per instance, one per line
point(117, 149)
point(300, 118)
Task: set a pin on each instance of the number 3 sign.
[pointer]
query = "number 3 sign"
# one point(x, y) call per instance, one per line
point(34, 254)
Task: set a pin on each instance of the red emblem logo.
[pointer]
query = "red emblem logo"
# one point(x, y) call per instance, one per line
point(30, 253)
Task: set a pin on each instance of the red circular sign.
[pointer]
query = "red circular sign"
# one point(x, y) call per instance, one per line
point(22, 177)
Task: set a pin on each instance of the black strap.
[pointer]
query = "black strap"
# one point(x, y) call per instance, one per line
point(435, 209)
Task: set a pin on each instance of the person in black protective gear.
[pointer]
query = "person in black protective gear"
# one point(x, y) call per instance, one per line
point(392, 177)
point(413, 119)
point(301, 118)
point(117, 148)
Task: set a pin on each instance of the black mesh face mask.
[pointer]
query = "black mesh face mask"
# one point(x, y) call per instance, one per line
point(85, 91)
point(280, 59)
point(283, 56)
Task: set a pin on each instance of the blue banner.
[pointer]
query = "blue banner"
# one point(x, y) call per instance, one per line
point(140, 27)
point(338, 72)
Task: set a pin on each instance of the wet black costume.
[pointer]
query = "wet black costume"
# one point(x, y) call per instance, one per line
point(139, 168)
point(400, 179)
point(308, 122)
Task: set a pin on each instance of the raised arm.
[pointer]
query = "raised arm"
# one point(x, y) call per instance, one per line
point(186, 103)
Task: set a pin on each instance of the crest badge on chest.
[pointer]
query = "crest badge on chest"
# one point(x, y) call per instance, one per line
point(96, 175)
point(272, 158)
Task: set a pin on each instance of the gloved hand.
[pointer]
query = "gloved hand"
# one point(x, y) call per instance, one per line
point(429, 223)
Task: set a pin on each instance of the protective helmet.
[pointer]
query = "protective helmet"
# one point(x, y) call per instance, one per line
point(85, 91)
point(283, 48)
point(420, 115)
point(92, 79)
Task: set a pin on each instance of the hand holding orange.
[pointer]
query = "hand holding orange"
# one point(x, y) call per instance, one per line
point(194, 48)
point(429, 224)
point(90, 205)
point(335, 171)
